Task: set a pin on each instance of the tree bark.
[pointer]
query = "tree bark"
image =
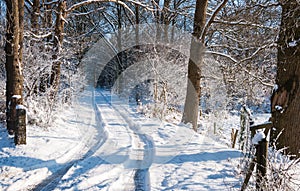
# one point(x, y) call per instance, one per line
point(165, 20)
point(47, 18)
point(137, 22)
point(58, 41)
point(9, 51)
point(13, 64)
point(35, 16)
point(286, 99)
point(157, 19)
point(191, 106)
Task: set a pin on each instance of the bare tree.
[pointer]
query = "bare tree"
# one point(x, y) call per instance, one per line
point(248, 60)
point(190, 114)
point(191, 106)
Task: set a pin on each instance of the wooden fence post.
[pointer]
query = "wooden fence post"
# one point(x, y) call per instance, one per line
point(20, 134)
point(234, 133)
point(245, 122)
point(261, 156)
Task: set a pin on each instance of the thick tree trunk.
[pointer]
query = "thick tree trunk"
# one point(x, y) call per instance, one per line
point(286, 99)
point(13, 64)
point(9, 51)
point(191, 106)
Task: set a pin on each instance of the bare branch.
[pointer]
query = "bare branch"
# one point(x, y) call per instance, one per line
point(147, 7)
point(211, 19)
point(222, 54)
point(29, 2)
point(87, 2)
point(243, 23)
point(268, 4)
point(38, 36)
point(51, 2)
point(258, 50)
point(87, 13)
point(108, 20)
point(238, 62)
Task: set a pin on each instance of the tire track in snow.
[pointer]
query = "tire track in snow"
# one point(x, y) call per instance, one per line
point(141, 158)
point(51, 182)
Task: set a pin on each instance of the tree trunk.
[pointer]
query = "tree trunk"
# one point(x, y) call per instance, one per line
point(165, 20)
point(157, 20)
point(137, 22)
point(286, 99)
point(35, 16)
point(191, 106)
point(119, 13)
point(9, 52)
point(58, 40)
point(47, 18)
point(174, 21)
point(13, 64)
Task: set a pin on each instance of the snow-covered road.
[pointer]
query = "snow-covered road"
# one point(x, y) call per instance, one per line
point(105, 145)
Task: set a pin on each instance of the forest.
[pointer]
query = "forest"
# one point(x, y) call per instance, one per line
point(149, 94)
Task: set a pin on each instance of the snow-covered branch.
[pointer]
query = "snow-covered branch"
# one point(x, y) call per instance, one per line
point(268, 4)
point(51, 2)
point(87, 13)
point(29, 2)
point(29, 33)
point(222, 55)
point(87, 2)
point(238, 62)
point(211, 19)
point(258, 50)
point(147, 7)
point(244, 23)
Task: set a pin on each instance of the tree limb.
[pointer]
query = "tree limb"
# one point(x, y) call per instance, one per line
point(87, 13)
point(238, 62)
point(87, 2)
point(243, 23)
point(211, 19)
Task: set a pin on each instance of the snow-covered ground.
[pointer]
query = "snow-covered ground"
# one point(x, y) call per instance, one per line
point(101, 144)
point(49, 151)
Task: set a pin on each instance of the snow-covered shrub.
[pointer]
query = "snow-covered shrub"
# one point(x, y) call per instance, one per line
point(283, 173)
point(37, 91)
point(156, 76)
point(282, 169)
point(213, 100)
